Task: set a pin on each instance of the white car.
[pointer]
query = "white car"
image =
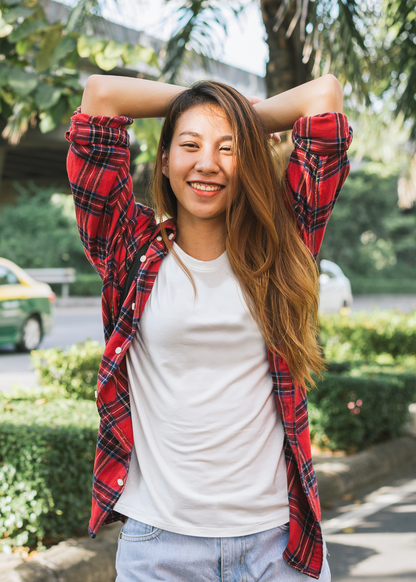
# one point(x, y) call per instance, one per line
point(334, 288)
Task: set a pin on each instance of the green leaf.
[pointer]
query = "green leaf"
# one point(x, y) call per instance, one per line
point(22, 46)
point(113, 50)
point(6, 109)
point(4, 76)
point(144, 158)
point(71, 62)
point(48, 44)
point(46, 96)
point(54, 116)
point(5, 29)
point(22, 82)
point(74, 101)
point(88, 45)
point(66, 45)
point(28, 27)
point(145, 54)
point(104, 63)
point(17, 12)
point(129, 56)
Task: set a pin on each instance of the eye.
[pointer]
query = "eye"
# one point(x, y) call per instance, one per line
point(189, 145)
point(227, 149)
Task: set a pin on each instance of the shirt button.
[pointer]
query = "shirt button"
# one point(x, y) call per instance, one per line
point(120, 482)
point(133, 305)
point(159, 238)
point(171, 236)
point(118, 350)
point(143, 258)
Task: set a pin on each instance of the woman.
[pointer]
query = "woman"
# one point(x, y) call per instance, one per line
point(201, 390)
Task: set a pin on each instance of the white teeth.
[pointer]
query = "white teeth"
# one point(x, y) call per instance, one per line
point(205, 187)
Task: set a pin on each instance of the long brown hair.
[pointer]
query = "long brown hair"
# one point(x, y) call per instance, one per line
point(275, 269)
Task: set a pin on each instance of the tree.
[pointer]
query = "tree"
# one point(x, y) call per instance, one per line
point(303, 38)
point(40, 230)
point(39, 76)
point(369, 44)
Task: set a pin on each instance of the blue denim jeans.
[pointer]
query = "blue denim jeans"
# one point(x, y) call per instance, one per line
point(146, 553)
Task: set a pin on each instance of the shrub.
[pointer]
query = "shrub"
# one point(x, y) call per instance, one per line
point(391, 285)
point(364, 335)
point(86, 285)
point(74, 370)
point(376, 242)
point(46, 458)
point(39, 230)
point(350, 413)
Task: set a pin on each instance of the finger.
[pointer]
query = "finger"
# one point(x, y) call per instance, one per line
point(253, 99)
point(275, 137)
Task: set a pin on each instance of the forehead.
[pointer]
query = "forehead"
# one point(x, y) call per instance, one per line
point(205, 120)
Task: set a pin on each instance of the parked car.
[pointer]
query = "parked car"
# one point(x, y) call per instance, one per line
point(26, 308)
point(334, 288)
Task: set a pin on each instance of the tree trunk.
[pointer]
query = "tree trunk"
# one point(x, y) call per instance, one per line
point(285, 69)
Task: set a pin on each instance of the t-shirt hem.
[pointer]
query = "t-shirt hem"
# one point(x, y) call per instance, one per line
point(281, 518)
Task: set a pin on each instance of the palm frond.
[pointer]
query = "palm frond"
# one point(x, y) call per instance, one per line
point(402, 51)
point(330, 35)
point(199, 26)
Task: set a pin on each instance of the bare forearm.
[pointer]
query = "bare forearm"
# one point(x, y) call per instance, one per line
point(280, 112)
point(138, 98)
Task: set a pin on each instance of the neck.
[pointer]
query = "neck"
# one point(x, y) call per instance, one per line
point(204, 241)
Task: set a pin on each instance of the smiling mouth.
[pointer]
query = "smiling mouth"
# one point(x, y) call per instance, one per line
point(206, 187)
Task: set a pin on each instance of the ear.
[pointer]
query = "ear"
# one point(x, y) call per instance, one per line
point(165, 164)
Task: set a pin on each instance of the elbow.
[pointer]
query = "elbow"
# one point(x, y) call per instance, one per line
point(95, 96)
point(332, 94)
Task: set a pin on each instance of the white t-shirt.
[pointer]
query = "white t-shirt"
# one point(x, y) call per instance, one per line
point(208, 454)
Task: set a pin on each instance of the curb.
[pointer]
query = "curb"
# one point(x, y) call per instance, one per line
point(74, 560)
point(94, 560)
point(346, 475)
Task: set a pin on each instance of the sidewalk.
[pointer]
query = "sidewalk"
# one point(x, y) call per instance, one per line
point(86, 560)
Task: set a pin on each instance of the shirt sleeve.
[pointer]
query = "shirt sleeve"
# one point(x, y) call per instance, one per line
point(317, 170)
point(98, 165)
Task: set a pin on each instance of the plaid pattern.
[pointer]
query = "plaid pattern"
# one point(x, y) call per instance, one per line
point(113, 227)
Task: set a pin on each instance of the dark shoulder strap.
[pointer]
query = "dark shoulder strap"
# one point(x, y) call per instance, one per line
point(132, 272)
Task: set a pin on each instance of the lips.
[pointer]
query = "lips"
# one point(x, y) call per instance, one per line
point(206, 189)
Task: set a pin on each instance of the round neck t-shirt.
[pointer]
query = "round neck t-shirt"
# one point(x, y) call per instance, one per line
point(208, 454)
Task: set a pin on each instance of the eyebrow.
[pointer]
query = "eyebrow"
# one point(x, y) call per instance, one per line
point(195, 134)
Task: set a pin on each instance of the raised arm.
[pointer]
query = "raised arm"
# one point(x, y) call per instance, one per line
point(279, 113)
point(112, 96)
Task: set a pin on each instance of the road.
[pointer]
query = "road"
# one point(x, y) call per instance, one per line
point(372, 537)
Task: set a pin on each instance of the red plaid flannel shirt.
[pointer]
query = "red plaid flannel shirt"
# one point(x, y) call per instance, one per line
point(113, 228)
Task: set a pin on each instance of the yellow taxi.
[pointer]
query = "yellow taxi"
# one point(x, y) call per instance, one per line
point(26, 308)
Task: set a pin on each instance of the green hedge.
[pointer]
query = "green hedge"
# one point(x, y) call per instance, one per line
point(349, 413)
point(377, 286)
point(73, 370)
point(47, 448)
point(365, 335)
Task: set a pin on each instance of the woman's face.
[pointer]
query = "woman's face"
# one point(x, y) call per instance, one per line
point(199, 164)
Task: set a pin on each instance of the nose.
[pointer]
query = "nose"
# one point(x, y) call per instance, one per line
point(207, 162)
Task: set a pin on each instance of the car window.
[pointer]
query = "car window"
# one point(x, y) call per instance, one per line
point(329, 274)
point(7, 277)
